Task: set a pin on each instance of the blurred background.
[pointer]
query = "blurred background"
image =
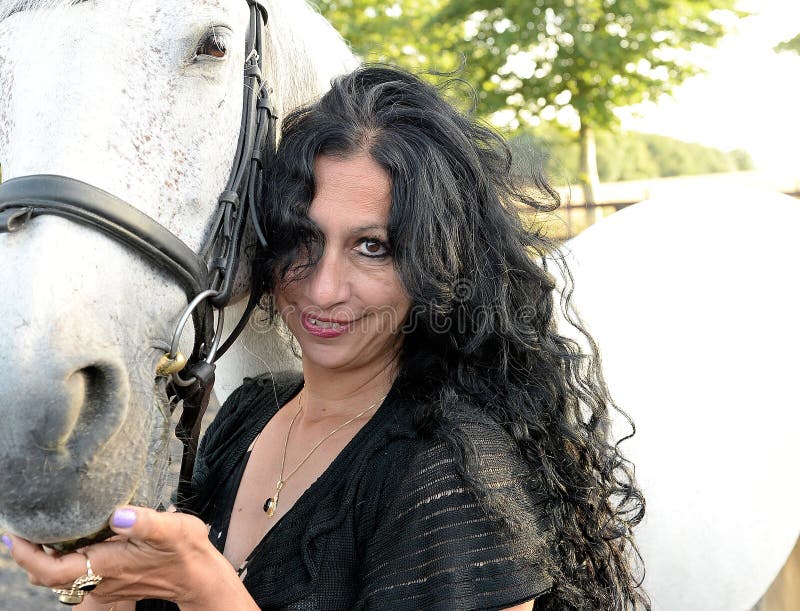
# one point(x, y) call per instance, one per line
point(619, 100)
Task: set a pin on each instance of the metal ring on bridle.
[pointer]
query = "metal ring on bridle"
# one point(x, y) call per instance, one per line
point(177, 379)
point(176, 337)
point(174, 361)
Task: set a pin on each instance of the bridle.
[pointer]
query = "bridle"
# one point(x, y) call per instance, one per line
point(207, 277)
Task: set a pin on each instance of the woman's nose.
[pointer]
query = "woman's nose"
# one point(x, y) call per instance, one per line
point(329, 283)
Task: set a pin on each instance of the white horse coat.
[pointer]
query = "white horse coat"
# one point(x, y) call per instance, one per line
point(694, 302)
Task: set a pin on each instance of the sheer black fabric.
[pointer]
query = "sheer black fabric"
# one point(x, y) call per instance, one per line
point(391, 523)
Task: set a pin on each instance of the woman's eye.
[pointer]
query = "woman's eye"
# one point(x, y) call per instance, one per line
point(212, 46)
point(372, 248)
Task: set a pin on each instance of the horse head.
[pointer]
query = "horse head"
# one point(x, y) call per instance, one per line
point(143, 102)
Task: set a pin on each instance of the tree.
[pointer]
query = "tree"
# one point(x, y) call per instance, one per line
point(532, 59)
point(536, 57)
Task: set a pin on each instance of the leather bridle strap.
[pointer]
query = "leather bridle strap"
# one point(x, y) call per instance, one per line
point(77, 201)
point(255, 146)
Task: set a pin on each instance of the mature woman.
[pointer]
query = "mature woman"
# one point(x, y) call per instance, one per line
point(444, 447)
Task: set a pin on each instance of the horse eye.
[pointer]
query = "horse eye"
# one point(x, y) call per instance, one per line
point(212, 46)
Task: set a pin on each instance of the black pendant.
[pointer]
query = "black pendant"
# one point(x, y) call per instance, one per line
point(270, 505)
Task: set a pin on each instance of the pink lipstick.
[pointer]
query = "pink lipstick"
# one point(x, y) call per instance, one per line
point(325, 328)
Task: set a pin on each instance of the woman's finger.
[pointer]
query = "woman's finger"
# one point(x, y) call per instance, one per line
point(159, 529)
point(150, 557)
point(44, 569)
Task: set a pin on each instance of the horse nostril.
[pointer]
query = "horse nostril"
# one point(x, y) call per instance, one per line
point(86, 393)
point(96, 382)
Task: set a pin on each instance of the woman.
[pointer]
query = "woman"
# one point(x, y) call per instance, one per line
point(445, 447)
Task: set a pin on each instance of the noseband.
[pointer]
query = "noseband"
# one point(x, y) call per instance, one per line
point(207, 277)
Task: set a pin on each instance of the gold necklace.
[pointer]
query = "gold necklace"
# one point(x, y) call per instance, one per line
point(271, 504)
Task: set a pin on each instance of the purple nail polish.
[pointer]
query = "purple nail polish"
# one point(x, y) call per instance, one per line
point(123, 518)
point(8, 542)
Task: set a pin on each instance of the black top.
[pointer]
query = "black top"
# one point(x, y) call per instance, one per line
point(390, 523)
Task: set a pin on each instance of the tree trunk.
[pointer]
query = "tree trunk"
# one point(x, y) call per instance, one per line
point(588, 169)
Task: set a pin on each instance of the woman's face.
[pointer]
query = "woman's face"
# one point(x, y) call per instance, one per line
point(348, 311)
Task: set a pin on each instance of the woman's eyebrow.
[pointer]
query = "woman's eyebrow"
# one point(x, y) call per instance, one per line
point(366, 228)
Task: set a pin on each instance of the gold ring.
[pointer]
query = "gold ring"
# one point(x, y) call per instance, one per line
point(82, 585)
point(70, 597)
point(88, 582)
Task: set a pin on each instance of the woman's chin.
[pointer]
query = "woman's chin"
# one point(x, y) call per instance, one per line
point(327, 362)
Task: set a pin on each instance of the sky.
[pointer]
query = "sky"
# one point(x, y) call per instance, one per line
point(749, 98)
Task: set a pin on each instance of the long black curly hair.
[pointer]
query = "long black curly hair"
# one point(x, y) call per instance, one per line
point(483, 324)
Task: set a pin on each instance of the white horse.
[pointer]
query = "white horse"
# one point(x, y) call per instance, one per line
point(132, 98)
point(694, 302)
point(143, 100)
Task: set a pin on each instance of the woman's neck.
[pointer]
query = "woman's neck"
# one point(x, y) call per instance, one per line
point(341, 394)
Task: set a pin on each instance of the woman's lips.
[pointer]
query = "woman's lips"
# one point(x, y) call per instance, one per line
point(320, 327)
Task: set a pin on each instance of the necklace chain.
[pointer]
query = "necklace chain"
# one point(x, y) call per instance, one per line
point(271, 504)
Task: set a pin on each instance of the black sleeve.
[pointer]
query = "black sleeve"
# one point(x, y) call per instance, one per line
point(217, 445)
point(437, 547)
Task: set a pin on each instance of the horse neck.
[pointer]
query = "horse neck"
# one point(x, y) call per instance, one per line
point(305, 54)
point(263, 347)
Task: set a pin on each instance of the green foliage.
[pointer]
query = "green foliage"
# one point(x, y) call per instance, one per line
point(590, 55)
point(625, 158)
point(403, 33)
point(621, 156)
point(742, 160)
point(793, 44)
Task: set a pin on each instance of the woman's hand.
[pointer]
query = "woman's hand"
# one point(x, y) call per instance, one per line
point(157, 555)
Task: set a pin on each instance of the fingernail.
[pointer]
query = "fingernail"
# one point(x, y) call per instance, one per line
point(8, 542)
point(123, 518)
